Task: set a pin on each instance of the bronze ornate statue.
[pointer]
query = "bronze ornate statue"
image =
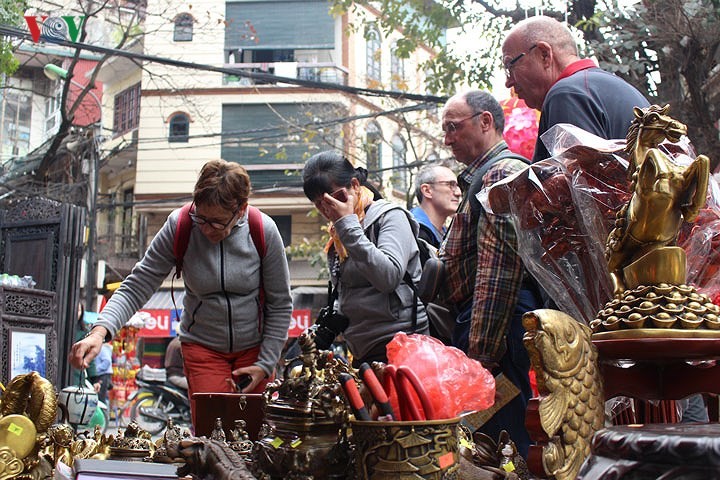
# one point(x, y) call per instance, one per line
point(210, 459)
point(302, 437)
point(663, 196)
point(571, 406)
point(647, 267)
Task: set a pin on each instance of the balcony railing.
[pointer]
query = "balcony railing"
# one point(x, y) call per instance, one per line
point(317, 72)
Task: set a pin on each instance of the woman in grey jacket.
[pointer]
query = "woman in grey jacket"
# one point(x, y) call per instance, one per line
point(372, 248)
point(222, 330)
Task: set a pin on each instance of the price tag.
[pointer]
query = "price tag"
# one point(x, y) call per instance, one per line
point(15, 429)
point(277, 441)
point(296, 443)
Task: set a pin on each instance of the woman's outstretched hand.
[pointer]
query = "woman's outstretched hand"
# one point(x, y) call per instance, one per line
point(84, 351)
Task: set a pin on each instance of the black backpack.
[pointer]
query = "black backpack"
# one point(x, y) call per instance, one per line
point(440, 323)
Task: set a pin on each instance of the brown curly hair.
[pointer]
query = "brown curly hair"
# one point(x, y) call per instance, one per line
point(222, 183)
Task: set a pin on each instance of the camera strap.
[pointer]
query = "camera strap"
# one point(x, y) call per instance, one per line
point(332, 296)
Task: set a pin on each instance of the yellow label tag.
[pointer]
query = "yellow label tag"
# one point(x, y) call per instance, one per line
point(509, 467)
point(465, 443)
point(296, 443)
point(277, 441)
point(16, 429)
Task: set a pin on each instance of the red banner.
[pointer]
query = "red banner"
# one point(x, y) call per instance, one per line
point(159, 324)
point(162, 322)
point(299, 323)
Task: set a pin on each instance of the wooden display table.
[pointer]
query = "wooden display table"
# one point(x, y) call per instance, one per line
point(654, 451)
point(659, 368)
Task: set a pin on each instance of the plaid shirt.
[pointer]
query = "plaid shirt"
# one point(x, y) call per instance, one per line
point(481, 263)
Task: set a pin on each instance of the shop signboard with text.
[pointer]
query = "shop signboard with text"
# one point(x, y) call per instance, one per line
point(164, 322)
point(299, 322)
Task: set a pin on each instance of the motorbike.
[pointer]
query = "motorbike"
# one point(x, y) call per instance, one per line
point(155, 402)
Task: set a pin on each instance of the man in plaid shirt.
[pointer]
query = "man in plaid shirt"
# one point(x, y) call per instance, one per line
point(486, 281)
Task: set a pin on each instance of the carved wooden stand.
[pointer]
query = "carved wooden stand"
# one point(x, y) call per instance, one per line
point(649, 368)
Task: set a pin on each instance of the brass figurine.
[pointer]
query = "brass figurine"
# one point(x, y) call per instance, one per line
point(663, 196)
point(646, 265)
point(510, 459)
point(571, 395)
point(32, 395)
point(240, 440)
point(218, 433)
point(167, 448)
point(303, 433)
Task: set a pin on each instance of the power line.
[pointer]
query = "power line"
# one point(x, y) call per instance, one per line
point(265, 77)
point(234, 136)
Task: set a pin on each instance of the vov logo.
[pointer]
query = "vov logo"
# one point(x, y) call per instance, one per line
point(64, 27)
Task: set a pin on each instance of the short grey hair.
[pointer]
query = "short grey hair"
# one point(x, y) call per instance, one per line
point(427, 174)
point(480, 101)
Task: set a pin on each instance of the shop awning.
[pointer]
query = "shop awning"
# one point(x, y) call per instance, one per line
point(163, 300)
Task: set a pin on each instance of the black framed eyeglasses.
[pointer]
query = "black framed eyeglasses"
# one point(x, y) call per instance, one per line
point(200, 220)
point(452, 127)
point(448, 183)
point(511, 63)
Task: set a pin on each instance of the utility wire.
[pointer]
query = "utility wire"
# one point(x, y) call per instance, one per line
point(265, 77)
point(236, 136)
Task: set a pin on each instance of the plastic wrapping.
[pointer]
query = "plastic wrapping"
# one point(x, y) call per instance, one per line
point(564, 207)
point(454, 382)
point(7, 280)
point(701, 242)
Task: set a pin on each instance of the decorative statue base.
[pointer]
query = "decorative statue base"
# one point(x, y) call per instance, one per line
point(658, 310)
point(303, 434)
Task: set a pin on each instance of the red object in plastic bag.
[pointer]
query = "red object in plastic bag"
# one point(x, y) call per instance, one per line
point(454, 382)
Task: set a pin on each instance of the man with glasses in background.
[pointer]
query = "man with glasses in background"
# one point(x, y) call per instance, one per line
point(485, 279)
point(438, 194)
point(542, 65)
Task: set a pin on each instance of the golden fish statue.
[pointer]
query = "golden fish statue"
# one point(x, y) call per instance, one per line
point(572, 404)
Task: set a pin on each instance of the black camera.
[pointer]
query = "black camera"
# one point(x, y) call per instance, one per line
point(328, 325)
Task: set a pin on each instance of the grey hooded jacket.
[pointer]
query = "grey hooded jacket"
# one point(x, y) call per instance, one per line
point(372, 292)
point(220, 308)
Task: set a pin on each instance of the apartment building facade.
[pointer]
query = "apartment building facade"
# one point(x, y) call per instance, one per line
point(167, 120)
point(199, 82)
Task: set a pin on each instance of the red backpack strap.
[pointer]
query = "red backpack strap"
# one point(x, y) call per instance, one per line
point(257, 233)
point(182, 237)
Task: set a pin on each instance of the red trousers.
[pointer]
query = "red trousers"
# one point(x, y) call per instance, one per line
point(208, 371)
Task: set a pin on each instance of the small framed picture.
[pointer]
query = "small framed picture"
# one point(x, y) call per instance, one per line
point(28, 350)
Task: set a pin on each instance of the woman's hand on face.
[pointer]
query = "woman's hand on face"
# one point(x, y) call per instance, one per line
point(334, 209)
